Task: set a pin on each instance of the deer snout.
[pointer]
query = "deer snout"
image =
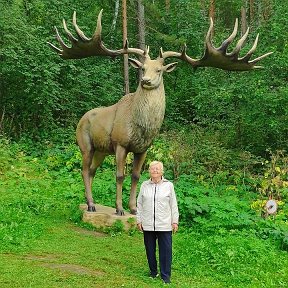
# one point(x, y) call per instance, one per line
point(146, 81)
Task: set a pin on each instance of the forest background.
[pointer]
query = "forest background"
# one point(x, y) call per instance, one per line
point(224, 139)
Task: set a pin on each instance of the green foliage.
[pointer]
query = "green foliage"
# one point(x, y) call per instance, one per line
point(5, 160)
point(274, 182)
point(41, 226)
point(31, 194)
point(132, 226)
point(215, 190)
point(222, 189)
point(206, 206)
point(223, 144)
point(247, 110)
point(196, 151)
point(39, 84)
point(117, 228)
point(228, 255)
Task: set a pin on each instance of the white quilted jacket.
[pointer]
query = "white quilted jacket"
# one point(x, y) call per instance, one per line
point(157, 206)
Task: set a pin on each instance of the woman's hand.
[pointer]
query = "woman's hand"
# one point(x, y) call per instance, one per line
point(139, 226)
point(174, 227)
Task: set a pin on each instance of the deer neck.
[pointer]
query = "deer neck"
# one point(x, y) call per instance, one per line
point(148, 108)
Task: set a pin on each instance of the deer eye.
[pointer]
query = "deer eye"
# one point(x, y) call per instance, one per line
point(158, 70)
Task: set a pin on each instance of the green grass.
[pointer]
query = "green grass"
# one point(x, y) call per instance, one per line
point(44, 243)
point(68, 256)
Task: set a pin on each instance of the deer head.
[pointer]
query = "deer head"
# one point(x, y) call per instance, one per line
point(152, 71)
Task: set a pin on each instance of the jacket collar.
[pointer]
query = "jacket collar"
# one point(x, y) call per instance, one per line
point(160, 182)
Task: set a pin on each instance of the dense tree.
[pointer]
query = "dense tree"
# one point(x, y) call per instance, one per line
point(40, 92)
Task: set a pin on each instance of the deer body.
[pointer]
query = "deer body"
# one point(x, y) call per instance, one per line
point(127, 126)
point(131, 124)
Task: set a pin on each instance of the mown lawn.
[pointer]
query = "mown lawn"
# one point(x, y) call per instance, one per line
point(44, 243)
point(69, 256)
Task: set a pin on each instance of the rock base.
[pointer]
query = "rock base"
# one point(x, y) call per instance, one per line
point(105, 217)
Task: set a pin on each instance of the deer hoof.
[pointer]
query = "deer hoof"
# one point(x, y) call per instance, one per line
point(120, 212)
point(91, 208)
point(133, 211)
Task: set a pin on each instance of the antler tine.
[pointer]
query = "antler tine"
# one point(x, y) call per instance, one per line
point(55, 48)
point(146, 51)
point(85, 47)
point(182, 55)
point(183, 52)
point(208, 39)
point(161, 52)
point(254, 61)
point(239, 45)
point(78, 30)
point(98, 31)
point(148, 48)
point(60, 40)
point(251, 51)
point(218, 57)
point(229, 40)
point(69, 34)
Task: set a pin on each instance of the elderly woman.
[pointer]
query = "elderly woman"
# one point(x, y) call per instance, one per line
point(157, 217)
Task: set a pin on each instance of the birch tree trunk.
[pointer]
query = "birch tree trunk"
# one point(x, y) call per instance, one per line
point(141, 29)
point(125, 36)
point(113, 26)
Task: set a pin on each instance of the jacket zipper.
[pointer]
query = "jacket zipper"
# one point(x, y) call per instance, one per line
point(154, 206)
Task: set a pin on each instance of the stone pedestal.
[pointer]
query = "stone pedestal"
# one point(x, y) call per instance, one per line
point(105, 217)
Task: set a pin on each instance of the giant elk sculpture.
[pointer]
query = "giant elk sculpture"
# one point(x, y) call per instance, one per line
point(131, 124)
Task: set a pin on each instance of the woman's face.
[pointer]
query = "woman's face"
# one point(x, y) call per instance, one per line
point(156, 171)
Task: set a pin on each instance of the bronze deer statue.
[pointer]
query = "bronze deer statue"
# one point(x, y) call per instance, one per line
point(131, 124)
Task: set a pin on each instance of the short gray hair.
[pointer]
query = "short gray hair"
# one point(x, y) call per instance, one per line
point(156, 163)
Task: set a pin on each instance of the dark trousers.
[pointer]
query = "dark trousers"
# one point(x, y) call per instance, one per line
point(165, 252)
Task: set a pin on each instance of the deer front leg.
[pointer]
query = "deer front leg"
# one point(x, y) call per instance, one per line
point(121, 154)
point(137, 165)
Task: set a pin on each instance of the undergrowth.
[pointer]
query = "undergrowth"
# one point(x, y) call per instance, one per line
point(223, 230)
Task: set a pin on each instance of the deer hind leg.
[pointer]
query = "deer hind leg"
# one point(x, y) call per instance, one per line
point(121, 154)
point(137, 165)
point(97, 160)
point(91, 160)
point(87, 175)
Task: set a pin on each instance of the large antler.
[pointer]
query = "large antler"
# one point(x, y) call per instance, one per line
point(85, 47)
point(218, 57)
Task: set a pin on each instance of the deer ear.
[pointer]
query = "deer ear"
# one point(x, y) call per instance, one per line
point(170, 67)
point(135, 63)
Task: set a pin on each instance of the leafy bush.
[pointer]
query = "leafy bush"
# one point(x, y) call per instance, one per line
point(227, 255)
point(213, 208)
point(274, 181)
